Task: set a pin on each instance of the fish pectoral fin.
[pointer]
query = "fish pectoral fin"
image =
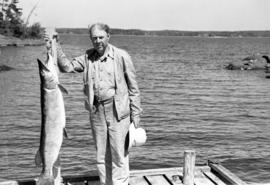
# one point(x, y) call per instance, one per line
point(42, 65)
point(38, 160)
point(65, 133)
point(62, 89)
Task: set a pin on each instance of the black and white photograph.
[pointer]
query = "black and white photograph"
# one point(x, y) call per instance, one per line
point(134, 92)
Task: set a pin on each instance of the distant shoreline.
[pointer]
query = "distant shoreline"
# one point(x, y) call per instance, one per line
point(13, 41)
point(113, 34)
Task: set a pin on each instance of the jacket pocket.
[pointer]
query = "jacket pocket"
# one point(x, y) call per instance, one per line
point(122, 106)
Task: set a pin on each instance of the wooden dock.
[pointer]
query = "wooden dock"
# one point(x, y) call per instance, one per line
point(212, 174)
point(209, 174)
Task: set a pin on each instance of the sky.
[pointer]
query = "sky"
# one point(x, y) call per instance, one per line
point(189, 15)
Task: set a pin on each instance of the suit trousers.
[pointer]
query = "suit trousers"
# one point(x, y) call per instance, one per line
point(109, 135)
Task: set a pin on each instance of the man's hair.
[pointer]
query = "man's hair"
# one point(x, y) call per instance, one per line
point(101, 26)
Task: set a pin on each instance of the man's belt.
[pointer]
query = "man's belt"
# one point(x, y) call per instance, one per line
point(98, 101)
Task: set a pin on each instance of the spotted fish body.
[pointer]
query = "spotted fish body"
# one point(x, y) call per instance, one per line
point(53, 121)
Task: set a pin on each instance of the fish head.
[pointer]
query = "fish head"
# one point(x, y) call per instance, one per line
point(48, 75)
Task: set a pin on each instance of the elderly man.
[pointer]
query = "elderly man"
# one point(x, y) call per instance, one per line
point(112, 99)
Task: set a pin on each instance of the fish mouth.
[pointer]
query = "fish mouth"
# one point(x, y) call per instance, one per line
point(41, 65)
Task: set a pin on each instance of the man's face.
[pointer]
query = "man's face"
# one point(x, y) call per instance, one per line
point(100, 39)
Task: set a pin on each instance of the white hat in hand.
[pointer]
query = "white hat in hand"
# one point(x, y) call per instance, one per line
point(135, 137)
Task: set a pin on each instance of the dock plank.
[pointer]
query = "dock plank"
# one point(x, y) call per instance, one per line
point(9, 183)
point(140, 180)
point(214, 178)
point(226, 174)
point(203, 181)
point(85, 183)
point(174, 179)
point(157, 180)
point(200, 179)
point(154, 171)
point(164, 170)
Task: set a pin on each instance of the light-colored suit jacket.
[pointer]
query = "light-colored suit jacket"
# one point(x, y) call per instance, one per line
point(127, 94)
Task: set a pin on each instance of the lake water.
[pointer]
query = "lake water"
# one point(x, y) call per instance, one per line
point(190, 102)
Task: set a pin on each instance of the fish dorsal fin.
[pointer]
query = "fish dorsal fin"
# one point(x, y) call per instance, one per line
point(38, 160)
point(62, 89)
point(65, 133)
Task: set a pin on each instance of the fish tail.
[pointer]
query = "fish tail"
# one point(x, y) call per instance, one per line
point(45, 181)
point(56, 168)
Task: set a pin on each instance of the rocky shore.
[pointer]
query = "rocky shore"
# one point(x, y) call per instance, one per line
point(12, 41)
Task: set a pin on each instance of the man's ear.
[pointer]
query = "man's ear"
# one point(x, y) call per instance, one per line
point(109, 36)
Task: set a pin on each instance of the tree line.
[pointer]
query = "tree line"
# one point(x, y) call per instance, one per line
point(11, 23)
point(116, 31)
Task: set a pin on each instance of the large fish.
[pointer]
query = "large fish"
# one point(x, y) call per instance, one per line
point(53, 120)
